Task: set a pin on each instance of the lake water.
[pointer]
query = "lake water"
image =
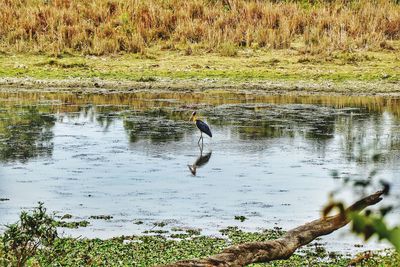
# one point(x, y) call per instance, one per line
point(272, 159)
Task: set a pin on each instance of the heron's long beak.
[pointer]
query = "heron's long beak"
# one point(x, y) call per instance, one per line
point(191, 118)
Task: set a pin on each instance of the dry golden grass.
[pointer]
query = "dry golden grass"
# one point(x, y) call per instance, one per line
point(114, 26)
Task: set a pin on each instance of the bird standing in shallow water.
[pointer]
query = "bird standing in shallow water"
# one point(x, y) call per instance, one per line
point(203, 127)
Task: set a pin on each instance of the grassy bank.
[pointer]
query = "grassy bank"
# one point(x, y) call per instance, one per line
point(308, 46)
point(357, 72)
point(181, 244)
point(249, 65)
point(100, 27)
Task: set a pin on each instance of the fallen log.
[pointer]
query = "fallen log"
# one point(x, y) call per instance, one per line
point(284, 247)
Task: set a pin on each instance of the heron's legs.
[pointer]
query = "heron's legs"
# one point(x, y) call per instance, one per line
point(201, 149)
point(201, 138)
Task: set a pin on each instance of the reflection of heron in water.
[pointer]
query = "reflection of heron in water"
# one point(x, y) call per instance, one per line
point(203, 127)
point(200, 161)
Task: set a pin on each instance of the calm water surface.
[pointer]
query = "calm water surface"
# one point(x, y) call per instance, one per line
point(133, 156)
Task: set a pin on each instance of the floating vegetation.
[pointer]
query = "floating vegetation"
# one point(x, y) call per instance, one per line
point(240, 218)
point(101, 217)
point(72, 225)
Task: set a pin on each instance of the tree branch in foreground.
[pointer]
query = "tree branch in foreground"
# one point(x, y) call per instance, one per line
point(284, 247)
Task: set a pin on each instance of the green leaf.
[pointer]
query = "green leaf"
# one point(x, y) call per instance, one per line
point(358, 223)
point(395, 238)
point(381, 228)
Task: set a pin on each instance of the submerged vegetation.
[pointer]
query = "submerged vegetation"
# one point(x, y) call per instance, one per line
point(34, 242)
point(105, 27)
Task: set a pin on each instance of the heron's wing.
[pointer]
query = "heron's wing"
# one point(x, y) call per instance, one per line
point(203, 127)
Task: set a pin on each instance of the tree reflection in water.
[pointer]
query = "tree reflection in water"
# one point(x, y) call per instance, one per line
point(25, 134)
point(161, 125)
point(364, 126)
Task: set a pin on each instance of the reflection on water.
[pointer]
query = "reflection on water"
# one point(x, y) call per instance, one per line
point(156, 125)
point(146, 100)
point(131, 153)
point(200, 161)
point(24, 134)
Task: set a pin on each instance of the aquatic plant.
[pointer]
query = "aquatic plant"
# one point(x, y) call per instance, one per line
point(153, 250)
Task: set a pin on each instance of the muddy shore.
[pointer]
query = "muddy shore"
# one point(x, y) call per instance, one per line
point(96, 85)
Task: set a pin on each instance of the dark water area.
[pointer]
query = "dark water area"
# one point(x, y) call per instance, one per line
point(135, 157)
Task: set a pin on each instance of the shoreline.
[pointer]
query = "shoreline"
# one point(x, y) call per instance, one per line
point(184, 244)
point(360, 73)
point(261, 87)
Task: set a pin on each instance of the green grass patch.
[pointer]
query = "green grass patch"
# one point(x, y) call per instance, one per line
point(246, 66)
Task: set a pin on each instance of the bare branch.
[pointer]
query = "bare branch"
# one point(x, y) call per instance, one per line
point(284, 247)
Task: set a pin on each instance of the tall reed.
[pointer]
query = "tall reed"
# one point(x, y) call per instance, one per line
point(124, 26)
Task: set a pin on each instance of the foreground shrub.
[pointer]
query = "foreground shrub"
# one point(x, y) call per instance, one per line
point(21, 240)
